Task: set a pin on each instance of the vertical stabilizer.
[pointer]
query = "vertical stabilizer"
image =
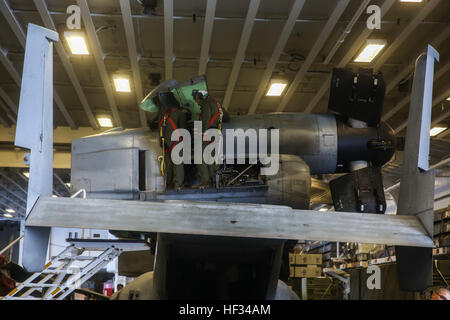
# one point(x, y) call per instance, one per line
point(414, 264)
point(35, 132)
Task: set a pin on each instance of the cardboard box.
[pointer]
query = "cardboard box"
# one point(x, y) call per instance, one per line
point(291, 258)
point(314, 258)
point(308, 272)
point(313, 271)
point(301, 259)
point(306, 259)
point(300, 272)
point(291, 272)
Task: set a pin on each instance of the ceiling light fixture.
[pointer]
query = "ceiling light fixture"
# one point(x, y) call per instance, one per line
point(410, 0)
point(9, 210)
point(276, 88)
point(370, 51)
point(7, 215)
point(105, 121)
point(26, 174)
point(76, 42)
point(436, 130)
point(122, 83)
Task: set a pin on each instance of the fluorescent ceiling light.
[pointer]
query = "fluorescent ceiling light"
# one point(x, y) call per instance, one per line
point(122, 83)
point(68, 183)
point(26, 174)
point(323, 209)
point(436, 130)
point(54, 196)
point(76, 42)
point(8, 215)
point(410, 0)
point(448, 99)
point(9, 210)
point(371, 50)
point(104, 121)
point(276, 89)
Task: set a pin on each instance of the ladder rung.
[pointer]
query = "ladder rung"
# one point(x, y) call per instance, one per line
point(22, 298)
point(54, 271)
point(78, 258)
point(54, 267)
point(37, 285)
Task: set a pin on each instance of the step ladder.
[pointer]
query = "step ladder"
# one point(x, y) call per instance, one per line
point(70, 269)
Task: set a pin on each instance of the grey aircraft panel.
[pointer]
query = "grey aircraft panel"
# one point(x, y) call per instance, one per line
point(228, 219)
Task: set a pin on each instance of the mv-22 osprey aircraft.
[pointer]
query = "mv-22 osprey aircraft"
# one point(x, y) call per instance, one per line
point(230, 241)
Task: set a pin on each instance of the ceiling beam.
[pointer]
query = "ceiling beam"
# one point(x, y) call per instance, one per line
point(10, 67)
point(13, 22)
point(406, 99)
point(13, 158)
point(61, 135)
point(17, 79)
point(57, 177)
point(4, 123)
point(318, 44)
point(8, 101)
point(7, 112)
point(168, 38)
point(6, 177)
point(8, 205)
point(132, 52)
point(20, 34)
point(48, 22)
point(281, 43)
point(444, 134)
point(10, 200)
point(362, 7)
point(387, 4)
point(207, 33)
point(240, 53)
point(409, 68)
point(8, 190)
point(63, 110)
point(436, 101)
point(99, 56)
point(406, 32)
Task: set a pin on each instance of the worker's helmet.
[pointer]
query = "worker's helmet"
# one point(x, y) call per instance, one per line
point(201, 94)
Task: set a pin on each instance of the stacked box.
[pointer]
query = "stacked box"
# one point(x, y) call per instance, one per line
point(301, 259)
point(441, 227)
point(292, 258)
point(305, 259)
point(315, 259)
point(305, 265)
point(310, 271)
point(327, 250)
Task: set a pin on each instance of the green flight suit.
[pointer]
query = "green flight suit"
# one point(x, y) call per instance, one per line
point(173, 119)
point(209, 108)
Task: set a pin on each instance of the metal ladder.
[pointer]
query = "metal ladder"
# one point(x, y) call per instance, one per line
point(61, 276)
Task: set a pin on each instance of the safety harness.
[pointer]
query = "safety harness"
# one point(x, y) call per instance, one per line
point(218, 114)
point(161, 127)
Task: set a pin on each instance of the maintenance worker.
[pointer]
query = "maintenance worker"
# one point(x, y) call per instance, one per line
point(171, 120)
point(212, 116)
